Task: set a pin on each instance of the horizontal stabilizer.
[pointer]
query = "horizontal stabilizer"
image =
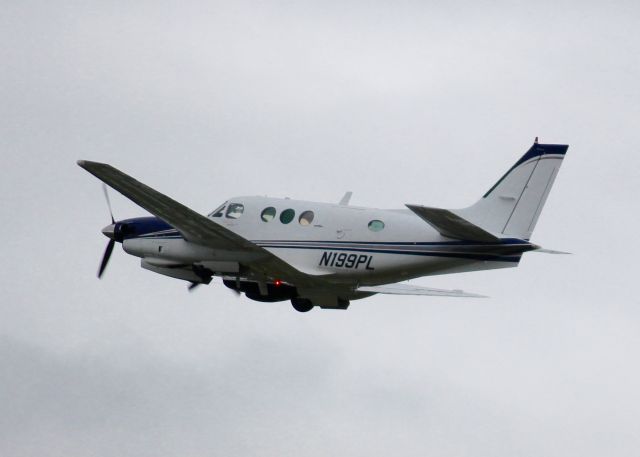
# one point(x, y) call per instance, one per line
point(409, 289)
point(451, 225)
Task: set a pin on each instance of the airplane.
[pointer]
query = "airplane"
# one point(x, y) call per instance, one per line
point(326, 255)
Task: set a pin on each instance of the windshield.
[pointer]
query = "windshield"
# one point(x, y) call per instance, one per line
point(218, 211)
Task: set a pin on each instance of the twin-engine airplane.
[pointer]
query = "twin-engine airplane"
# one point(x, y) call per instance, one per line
point(322, 254)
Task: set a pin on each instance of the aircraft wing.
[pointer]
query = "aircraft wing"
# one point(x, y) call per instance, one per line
point(409, 289)
point(193, 226)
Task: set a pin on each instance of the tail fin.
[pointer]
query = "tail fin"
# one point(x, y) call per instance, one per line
point(512, 206)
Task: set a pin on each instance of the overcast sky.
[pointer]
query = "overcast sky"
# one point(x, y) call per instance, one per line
point(400, 102)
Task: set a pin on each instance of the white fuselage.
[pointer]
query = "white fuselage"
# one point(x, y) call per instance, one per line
point(340, 242)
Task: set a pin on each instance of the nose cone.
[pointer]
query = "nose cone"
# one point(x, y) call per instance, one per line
point(109, 231)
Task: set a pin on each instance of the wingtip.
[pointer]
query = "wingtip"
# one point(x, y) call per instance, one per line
point(87, 164)
point(470, 294)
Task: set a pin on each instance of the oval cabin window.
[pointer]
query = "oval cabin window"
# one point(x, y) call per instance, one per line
point(376, 225)
point(306, 218)
point(268, 214)
point(287, 216)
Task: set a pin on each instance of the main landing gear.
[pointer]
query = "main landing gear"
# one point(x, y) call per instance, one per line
point(302, 304)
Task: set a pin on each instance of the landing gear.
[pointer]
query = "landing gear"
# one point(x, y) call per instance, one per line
point(302, 304)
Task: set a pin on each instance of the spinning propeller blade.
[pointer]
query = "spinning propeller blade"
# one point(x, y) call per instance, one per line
point(105, 257)
point(106, 196)
point(108, 232)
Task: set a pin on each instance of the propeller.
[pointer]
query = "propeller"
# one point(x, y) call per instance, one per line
point(105, 257)
point(106, 197)
point(109, 232)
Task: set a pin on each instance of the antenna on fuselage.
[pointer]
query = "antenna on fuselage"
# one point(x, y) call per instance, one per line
point(345, 199)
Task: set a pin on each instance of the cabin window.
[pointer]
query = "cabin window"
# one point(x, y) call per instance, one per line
point(218, 212)
point(268, 214)
point(306, 218)
point(235, 210)
point(287, 216)
point(376, 225)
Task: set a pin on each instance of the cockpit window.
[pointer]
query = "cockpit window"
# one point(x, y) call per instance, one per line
point(219, 211)
point(235, 210)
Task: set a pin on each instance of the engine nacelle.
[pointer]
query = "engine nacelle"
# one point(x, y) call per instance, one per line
point(191, 273)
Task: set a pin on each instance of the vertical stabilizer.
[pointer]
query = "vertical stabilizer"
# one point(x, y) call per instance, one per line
point(512, 206)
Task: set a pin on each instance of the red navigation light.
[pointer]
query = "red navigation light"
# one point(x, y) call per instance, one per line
point(278, 283)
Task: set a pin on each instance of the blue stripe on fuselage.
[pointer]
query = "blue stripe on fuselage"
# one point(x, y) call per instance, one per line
point(503, 242)
point(155, 228)
point(142, 226)
point(426, 253)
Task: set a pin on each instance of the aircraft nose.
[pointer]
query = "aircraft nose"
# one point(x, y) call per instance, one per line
point(110, 231)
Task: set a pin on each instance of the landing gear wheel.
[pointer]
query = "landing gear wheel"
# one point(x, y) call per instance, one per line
point(302, 304)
